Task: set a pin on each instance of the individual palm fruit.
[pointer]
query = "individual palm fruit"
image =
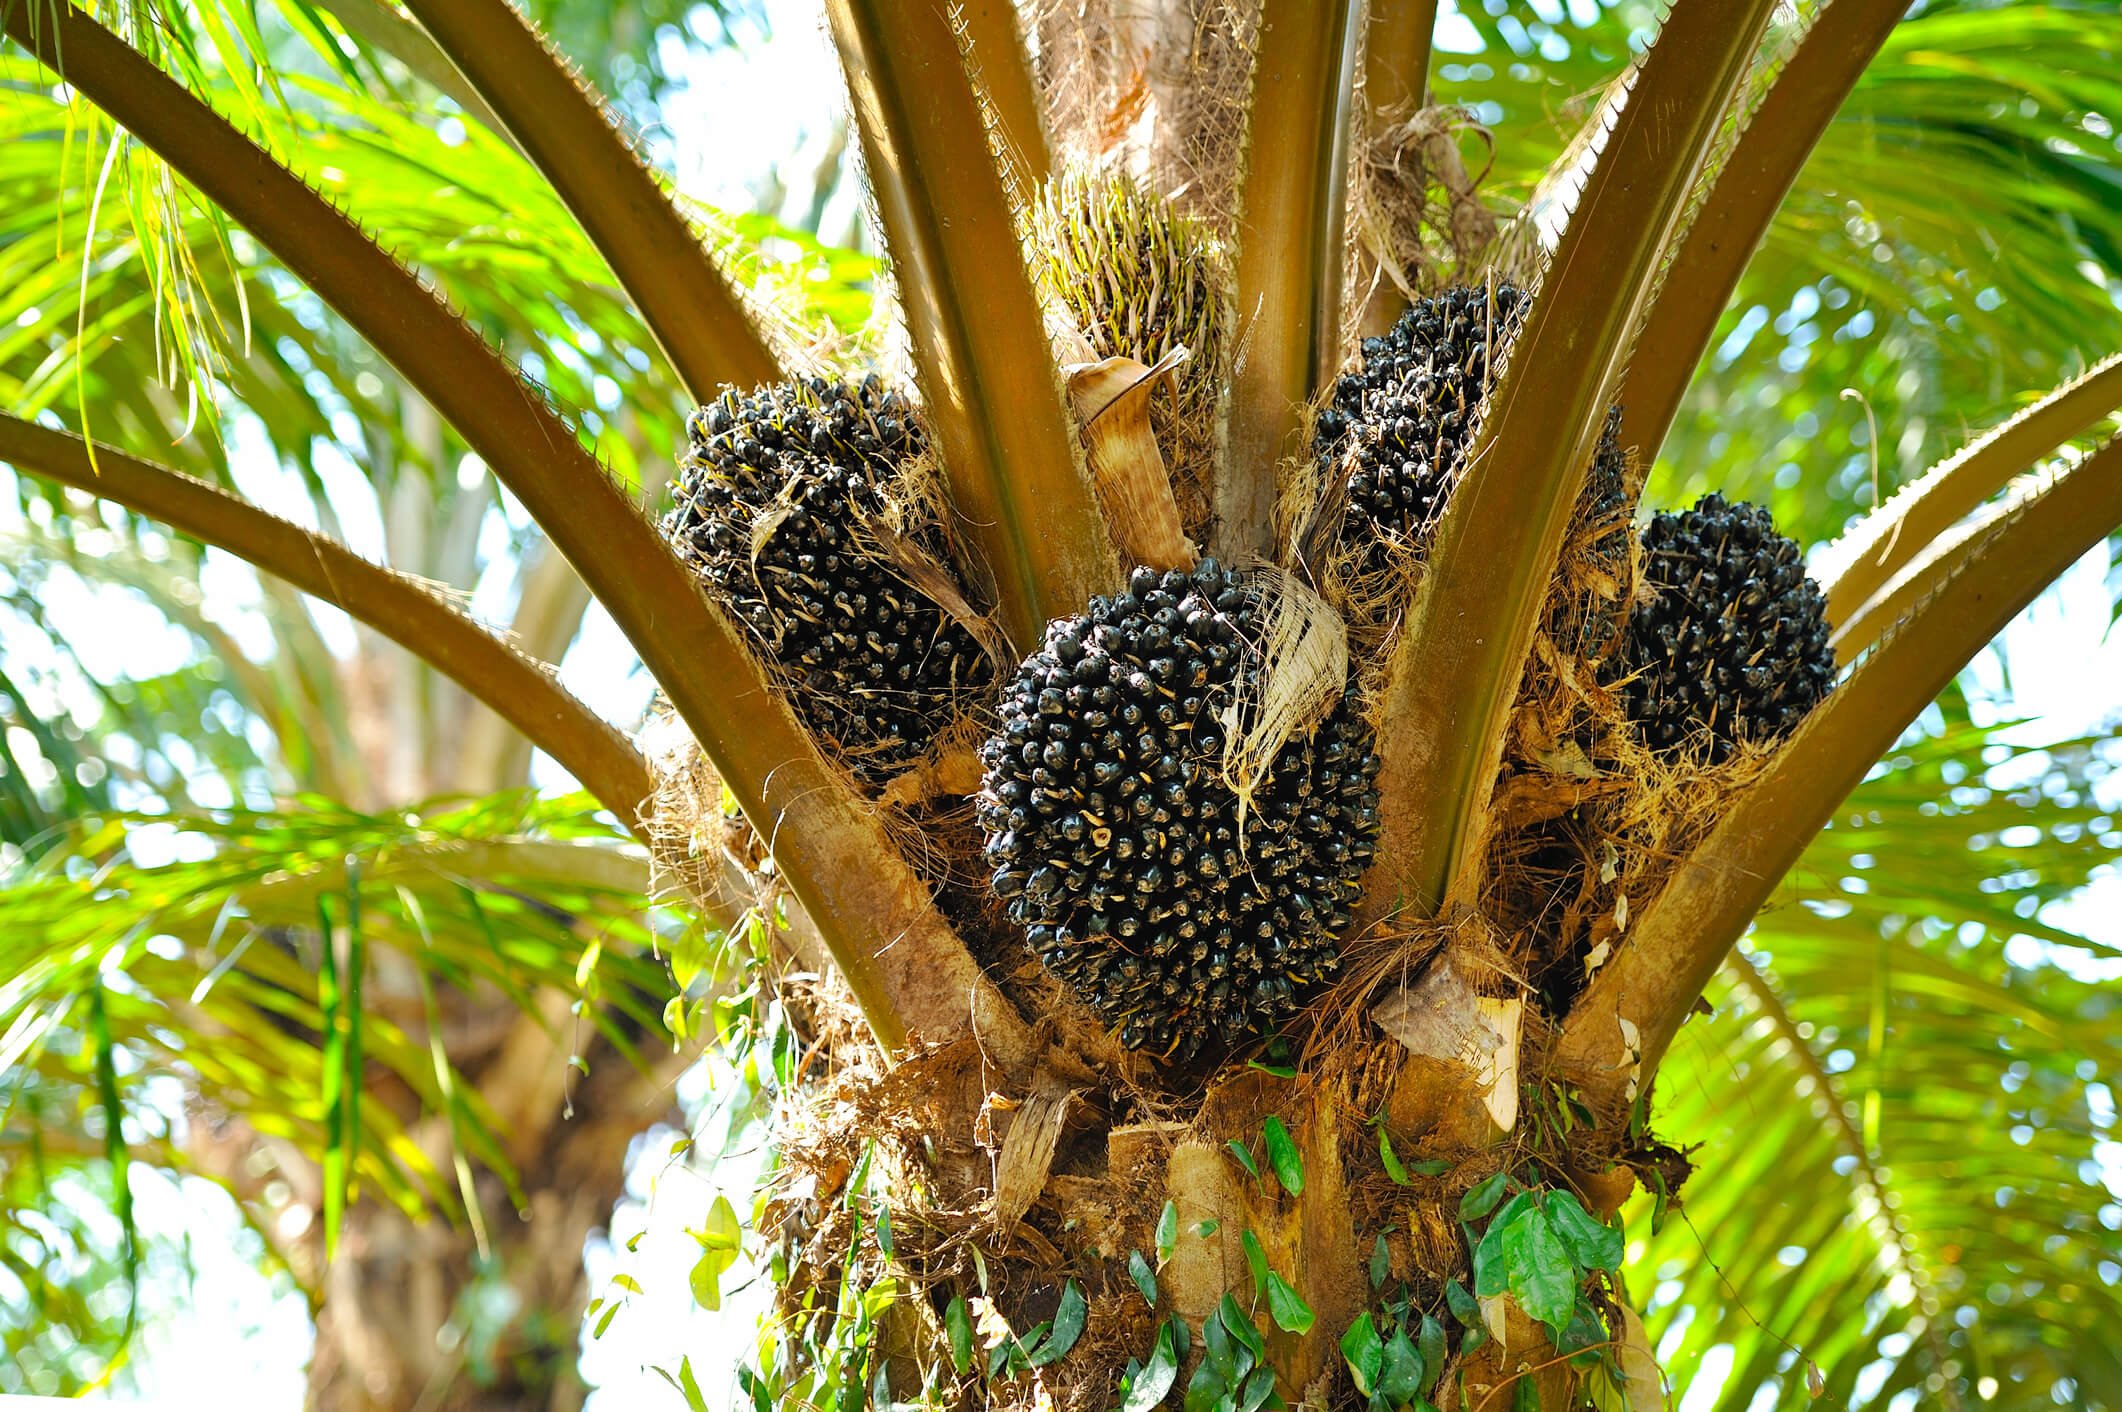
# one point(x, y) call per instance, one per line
point(1185, 917)
point(1728, 640)
point(784, 507)
point(1402, 422)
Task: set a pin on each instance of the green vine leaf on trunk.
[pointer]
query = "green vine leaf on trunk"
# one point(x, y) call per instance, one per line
point(1391, 1159)
point(1288, 1308)
point(1227, 1359)
point(1381, 1263)
point(1255, 1260)
point(1364, 1352)
point(1584, 1335)
point(1167, 1233)
point(1069, 1319)
point(1148, 1384)
point(1490, 1276)
point(1240, 1326)
point(1482, 1197)
point(1594, 1244)
point(1145, 1278)
point(958, 1325)
point(1283, 1156)
point(1207, 1389)
point(690, 1386)
point(1522, 1255)
point(720, 1241)
point(1400, 1376)
point(884, 1231)
point(1244, 1155)
point(1259, 1391)
point(1430, 1344)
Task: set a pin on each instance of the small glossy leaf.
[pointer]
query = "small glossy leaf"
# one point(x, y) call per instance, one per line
point(1430, 1344)
point(1594, 1244)
point(1482, 1197)
point(1255, 1260)
point(1282, 1155)
point(1381, 1263)
point(1258, 1389)
point(1244, 1155)
point(1068, 1327)
point(1217, 1348)
point(1287, 1307)
point(720, 1241)
point(1537, 1266)
point(1155, 1378)
point(1167, 1233)
point(1400, 1377)
point(1584, 1331)
point(1145, 1278)
point(1239, 1325)
point(689, 1385)
point(884, 1230)
point(959, 1326)
point(1205, 1229)
point(1207, 1391)
point(1491, 1276)
point(1465, 1308)
point(1364, 1352)
point(1391, 1160)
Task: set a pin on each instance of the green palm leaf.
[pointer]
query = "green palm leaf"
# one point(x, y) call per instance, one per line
point(1898, 1108)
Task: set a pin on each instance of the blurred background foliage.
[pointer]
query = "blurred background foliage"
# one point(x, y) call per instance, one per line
point(1908, 1169)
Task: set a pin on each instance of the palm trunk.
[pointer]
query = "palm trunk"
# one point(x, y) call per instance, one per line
point(414, 1316)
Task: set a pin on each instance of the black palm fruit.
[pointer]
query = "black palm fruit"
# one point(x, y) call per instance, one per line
point(1402, 422)
point(777, 503)
point(1728, 640)
point(1183, 919)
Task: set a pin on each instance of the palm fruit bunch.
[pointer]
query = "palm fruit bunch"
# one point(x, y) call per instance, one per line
point(1402, 422)
point(779, 505)
point(1185, 917)
point(1728, 640)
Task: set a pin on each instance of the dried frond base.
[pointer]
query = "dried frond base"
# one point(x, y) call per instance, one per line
point(1156, 91)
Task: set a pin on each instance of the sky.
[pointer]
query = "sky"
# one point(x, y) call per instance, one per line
point(744, 118)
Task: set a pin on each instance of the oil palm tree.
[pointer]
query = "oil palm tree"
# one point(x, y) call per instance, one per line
point(1008, 1181)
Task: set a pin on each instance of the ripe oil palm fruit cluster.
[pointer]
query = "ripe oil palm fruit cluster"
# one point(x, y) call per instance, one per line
point(785, 505)
point(1401, 421)
point(1187, 916)
point(1729, 639)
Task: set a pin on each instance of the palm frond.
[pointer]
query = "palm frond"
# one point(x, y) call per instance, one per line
point(1899, 1111)
point(200, 934)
